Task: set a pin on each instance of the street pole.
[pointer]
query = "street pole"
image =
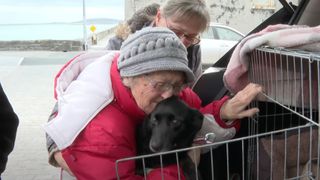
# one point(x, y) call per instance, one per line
point(85, 44)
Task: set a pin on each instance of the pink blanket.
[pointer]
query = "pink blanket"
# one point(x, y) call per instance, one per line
point(280, 35)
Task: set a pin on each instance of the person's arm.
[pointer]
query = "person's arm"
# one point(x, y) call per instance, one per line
point(55, 156)
point(221, 116)
point(8, 129)
point(194, 60)
point(114, 43)
point(226, 109)
point(198, 64)
point(51, 146)
point(93, 165)
point(235, 108)
point(94, 153)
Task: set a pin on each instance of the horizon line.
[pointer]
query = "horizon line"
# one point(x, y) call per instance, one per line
point(61, 22)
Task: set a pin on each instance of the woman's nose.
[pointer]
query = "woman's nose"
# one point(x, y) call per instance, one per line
point(168, 93)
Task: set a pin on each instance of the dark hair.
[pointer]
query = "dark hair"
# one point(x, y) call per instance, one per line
point(143, 17)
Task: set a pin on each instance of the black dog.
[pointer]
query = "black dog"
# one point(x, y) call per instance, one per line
point(172, 125)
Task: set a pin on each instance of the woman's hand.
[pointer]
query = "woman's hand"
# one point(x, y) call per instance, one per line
point(235, 108)
point(62, 163)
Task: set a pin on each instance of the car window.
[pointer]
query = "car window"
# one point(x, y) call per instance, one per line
point(208, 34)
point(227, 34)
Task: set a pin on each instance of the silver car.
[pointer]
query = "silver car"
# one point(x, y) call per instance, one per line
point(216, 41)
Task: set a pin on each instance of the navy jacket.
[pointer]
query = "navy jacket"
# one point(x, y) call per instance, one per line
point(8, 128)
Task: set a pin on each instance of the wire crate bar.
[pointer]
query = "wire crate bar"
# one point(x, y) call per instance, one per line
point(281, 142)
point(289, 77)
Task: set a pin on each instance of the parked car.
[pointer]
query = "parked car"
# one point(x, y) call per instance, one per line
point(216, 41)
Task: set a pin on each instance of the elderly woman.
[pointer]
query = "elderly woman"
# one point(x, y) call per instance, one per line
point(152, 66)
point(187, 18)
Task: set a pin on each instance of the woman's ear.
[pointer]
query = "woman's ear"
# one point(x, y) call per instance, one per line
point(127, 81)
point(158, 17)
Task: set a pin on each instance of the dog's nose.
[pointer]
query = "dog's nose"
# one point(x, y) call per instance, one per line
point(154, 146)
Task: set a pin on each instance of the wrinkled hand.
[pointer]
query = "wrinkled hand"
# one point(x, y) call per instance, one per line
point(235, 108)
point(62, 163)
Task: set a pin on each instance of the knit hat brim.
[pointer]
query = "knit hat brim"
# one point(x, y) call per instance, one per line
point(151, 50)
point(163, 65)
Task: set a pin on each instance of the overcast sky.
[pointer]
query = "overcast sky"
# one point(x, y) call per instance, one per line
point(45, 11)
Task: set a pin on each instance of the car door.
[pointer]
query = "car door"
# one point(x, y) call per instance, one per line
point(209, 46)
point(216, 41)
point(227, 38)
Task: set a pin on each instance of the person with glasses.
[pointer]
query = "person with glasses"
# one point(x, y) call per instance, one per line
point(116, 91)
point(187, 19)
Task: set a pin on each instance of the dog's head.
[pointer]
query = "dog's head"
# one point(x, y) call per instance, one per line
point(172, 125)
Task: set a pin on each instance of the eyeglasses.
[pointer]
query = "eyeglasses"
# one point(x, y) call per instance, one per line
point(192, 39)
point(162, 87)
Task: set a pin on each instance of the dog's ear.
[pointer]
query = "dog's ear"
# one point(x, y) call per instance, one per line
point(146, 125)
point(197, 119)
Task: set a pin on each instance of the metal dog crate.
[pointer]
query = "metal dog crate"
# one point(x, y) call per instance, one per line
point(282, 141)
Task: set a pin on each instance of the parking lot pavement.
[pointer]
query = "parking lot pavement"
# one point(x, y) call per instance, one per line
point(27, 79)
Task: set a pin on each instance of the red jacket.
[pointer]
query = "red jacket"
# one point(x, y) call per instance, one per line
point(111, 136)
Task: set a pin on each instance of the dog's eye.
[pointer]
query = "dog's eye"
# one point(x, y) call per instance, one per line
point(175, 122)
point(154, 121)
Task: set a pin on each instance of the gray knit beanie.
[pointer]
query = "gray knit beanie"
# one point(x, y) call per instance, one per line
point(153, 49)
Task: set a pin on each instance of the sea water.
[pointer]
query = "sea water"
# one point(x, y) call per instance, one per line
point(50, 31)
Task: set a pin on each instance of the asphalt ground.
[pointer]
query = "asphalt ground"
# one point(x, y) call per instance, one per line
point(27, 78)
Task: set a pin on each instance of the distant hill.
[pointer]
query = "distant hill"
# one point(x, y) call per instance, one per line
point(100, 21)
